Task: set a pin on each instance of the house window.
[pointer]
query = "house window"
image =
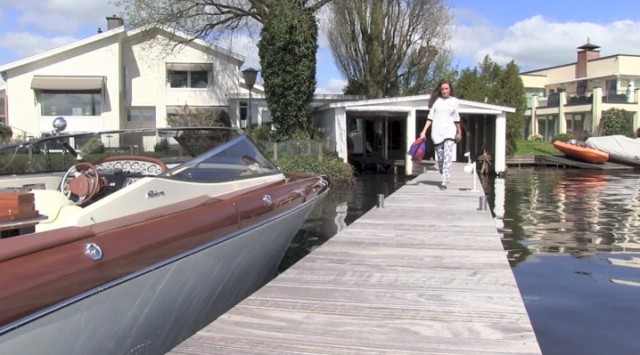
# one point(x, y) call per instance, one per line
point(70, 103)
point(199, 79)
point(581, 89)
point(575, 123)
point(612, 87)
point(243, 114)
point(188, 79)
point(547, 126)
point(3, 115)
point(141, 114)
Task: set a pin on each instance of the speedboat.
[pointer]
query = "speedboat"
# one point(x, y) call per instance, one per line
point(130, 241)
point(621, 148)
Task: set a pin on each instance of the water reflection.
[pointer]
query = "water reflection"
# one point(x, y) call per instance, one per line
point(569, 211)
point(573, 240)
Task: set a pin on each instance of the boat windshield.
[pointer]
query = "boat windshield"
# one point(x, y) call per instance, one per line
point(236, 159)
point(192, 153)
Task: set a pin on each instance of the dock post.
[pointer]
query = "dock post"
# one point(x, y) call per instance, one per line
point(482, 203)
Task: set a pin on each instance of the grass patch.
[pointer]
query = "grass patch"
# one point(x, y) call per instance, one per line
point(526, 148)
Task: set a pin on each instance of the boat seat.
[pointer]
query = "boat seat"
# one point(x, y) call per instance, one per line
point(53, 204)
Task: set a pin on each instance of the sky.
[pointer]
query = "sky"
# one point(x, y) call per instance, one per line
point(535, 34)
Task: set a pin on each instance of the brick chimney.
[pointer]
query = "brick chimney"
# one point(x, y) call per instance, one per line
point(586, 53)
point(114, 22)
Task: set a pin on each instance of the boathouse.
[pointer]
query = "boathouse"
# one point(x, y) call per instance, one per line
point(381, 130)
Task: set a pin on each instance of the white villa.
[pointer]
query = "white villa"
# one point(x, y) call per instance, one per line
point(117, 79)
point(120, 79)
point(570, 98)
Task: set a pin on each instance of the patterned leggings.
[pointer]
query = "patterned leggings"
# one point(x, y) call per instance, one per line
point(444, 152)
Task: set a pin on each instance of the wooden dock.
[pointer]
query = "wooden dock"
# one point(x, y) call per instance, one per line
point(562, 161)
point(425, 273)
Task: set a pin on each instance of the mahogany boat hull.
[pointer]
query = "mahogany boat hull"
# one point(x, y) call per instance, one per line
point(152, 310)
point(109, 252)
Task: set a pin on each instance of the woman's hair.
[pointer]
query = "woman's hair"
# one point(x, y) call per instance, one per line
point(435, 94)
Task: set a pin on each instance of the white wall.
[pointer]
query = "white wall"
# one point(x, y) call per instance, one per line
point(135, 71)
point(145, 61)
point(98, 58)
point(326, 122)
point(259, 110)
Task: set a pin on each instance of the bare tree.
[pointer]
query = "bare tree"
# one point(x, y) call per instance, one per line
point(389, 47)
point(206, 19)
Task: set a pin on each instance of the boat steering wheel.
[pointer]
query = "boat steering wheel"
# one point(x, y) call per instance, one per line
point(80, 183)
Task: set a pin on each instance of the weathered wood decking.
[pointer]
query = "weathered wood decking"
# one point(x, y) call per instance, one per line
point(425, 274)
point(563, 161)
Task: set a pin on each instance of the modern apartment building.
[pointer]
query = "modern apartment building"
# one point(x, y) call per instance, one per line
point(571, 98)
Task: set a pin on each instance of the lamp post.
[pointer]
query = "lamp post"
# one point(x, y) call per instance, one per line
point(250, 75)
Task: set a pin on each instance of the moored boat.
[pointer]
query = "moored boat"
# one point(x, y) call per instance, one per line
point(112, 245)
point(621, 148)
point(582, 153)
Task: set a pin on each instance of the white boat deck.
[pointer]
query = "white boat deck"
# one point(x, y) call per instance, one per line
point(426, 273)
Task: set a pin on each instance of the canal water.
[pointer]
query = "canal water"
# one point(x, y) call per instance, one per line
point(573, 241)
point(572, 238)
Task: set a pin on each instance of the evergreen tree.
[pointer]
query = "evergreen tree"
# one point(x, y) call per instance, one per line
point(511, 93)
point(489, 82)
point(469, 86)
point(288, 56)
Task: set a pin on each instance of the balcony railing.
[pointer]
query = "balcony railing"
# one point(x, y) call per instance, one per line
point(619, 97)
point(574, 99)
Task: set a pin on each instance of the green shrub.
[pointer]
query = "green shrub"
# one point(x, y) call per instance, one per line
point(5, 133)
point(162, 146)
point(617, 121)
point(338, 172)
point(563, 137)
point(93, 146)
point(261, 133)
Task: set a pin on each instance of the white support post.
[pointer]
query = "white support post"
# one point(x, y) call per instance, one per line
point(341, 133)
point(501, 143)
point(562, 121)
point(411, 137)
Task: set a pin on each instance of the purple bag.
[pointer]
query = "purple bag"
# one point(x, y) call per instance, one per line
point(418, 149)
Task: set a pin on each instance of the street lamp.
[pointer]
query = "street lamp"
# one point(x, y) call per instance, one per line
point(250, 75)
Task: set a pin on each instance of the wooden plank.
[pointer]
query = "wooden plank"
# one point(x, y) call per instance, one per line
point(425, 274)
point(561, 160)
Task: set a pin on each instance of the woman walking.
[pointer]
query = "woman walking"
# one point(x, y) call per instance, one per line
point(444, 121)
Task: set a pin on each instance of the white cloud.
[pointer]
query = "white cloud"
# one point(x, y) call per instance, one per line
point(26, 44)
point(537, 42)
point(60, 16)
point(333, 86)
